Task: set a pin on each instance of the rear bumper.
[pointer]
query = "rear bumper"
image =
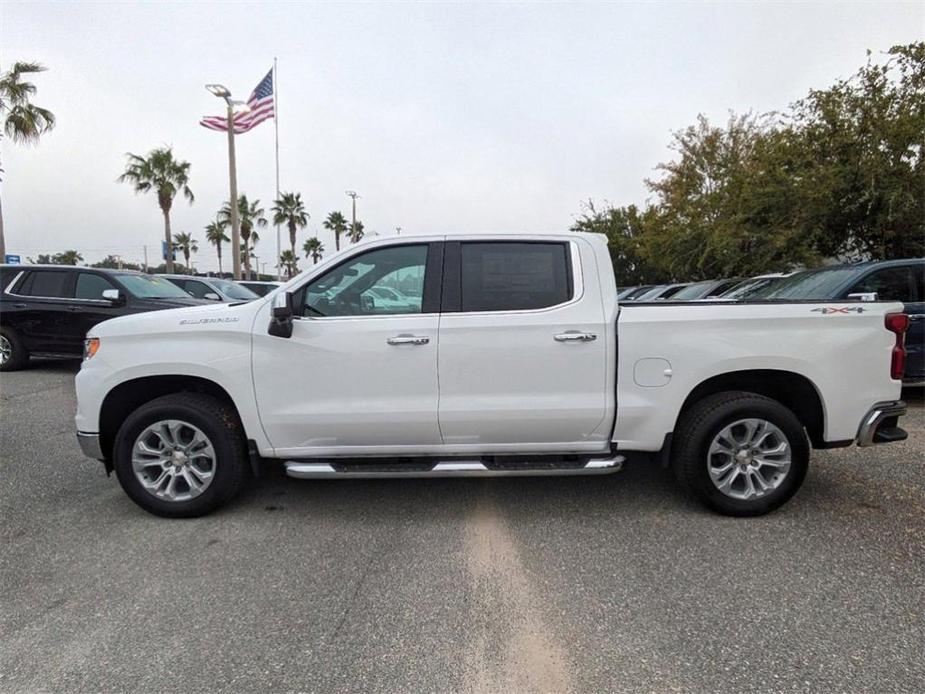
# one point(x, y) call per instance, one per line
point(90, 445)
point(880, 424)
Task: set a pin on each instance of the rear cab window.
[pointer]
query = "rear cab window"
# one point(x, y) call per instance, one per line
point(512, 276)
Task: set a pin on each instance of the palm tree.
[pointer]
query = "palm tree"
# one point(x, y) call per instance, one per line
point(290, 261)
point(215, 234)
point(187, 244)
point(290, 211)
point(23, 122)
point(68, 258)
point(313, 249)
point(250, 216)
point(337, 223)
point(357, 232)
point(166, 176)
point(246, 255)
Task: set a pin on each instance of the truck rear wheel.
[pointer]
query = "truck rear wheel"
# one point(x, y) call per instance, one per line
point(741, 454)
point(181, 455)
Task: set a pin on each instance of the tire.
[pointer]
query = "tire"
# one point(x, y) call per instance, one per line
point(721, 423)
point(216, 422)
point(17, 356)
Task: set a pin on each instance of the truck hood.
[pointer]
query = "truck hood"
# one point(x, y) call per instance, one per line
point(173, 320)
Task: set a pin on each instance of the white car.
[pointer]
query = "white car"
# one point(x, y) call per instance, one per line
point(514, 359)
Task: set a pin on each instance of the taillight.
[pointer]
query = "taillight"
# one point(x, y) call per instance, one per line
point(898, 323)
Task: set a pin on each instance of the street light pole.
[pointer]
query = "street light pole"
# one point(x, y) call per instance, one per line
point(222, 92)
point(233, 184)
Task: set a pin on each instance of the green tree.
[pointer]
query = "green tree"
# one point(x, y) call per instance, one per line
point(23, 121)
point(855, 152)
point(708, 220)
point(290, 261)
point(67, 258)
point(313, 249)
point(337, 223)
point(250, 216)
point(42, 259)
point(166, 176)
point(114, 262)
point(625, 229)
point(289, 210)
point(187, 245)
point(215, 234)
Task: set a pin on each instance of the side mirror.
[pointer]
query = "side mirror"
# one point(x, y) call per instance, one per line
point(863, 296)
point(211, 296)
point(281, 312)
point(114, 296)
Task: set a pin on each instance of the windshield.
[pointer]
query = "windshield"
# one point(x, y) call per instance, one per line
point(812, 284)
point(745, 289)
point(233, 290)
point(692, 291)
point(148, 287)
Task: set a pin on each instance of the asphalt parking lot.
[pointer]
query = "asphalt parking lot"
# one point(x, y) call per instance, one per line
point(583, 584)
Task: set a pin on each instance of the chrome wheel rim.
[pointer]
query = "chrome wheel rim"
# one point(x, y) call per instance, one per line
point(173, 460)
point(749, 459)
point(6, 350)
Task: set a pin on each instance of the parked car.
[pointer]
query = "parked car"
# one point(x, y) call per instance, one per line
point(47, 309)
point(212, 288)
point(507, 365)
point(889, 280)
point(661, 292)
point(746, 288)
point(704, 290)
point(634, 292)
point(258, 287)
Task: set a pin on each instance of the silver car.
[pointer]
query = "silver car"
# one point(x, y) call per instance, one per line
point(211, 288)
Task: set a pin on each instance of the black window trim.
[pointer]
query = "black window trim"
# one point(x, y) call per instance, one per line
point(433, 282)
point(452, 276)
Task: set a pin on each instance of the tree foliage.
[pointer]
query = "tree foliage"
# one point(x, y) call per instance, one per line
point(839, 175)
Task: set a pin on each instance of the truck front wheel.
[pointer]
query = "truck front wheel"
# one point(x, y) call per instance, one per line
point(181, 455)
point(741, 454)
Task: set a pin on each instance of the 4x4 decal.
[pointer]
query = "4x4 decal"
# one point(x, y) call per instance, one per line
point(828, 310)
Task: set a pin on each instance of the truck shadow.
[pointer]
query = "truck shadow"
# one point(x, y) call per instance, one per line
point(638, 488)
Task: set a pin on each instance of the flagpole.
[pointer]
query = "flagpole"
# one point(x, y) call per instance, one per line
point(279, 250)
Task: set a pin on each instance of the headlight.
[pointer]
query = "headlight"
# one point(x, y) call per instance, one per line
point(91, 345)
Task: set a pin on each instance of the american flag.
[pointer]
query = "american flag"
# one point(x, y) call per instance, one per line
point(262, 106)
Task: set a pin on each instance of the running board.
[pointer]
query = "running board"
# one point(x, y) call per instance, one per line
point(450, 468)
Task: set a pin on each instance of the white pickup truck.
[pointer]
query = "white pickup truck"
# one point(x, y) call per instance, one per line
point(483, 355)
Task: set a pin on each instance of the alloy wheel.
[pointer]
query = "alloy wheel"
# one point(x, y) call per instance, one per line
point(749, 459)
point(173, 460)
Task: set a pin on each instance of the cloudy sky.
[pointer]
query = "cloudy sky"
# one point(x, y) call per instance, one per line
point(457, 117)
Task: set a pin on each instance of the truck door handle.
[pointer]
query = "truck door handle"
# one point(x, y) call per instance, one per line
point(408, 340)
point(75, 309)
point(575, 336)
point(19, 306)
point(916, 316)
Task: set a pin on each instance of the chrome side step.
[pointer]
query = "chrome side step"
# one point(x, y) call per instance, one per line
point(451, 468)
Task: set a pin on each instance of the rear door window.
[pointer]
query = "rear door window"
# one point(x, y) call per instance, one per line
point(51, 284)
point(514, 276)
point(890, 284)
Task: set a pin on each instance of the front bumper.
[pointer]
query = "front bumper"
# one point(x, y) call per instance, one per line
point(90, 445)
point(880, 424)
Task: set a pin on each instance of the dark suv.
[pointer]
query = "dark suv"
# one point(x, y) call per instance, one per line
point(48, 309)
